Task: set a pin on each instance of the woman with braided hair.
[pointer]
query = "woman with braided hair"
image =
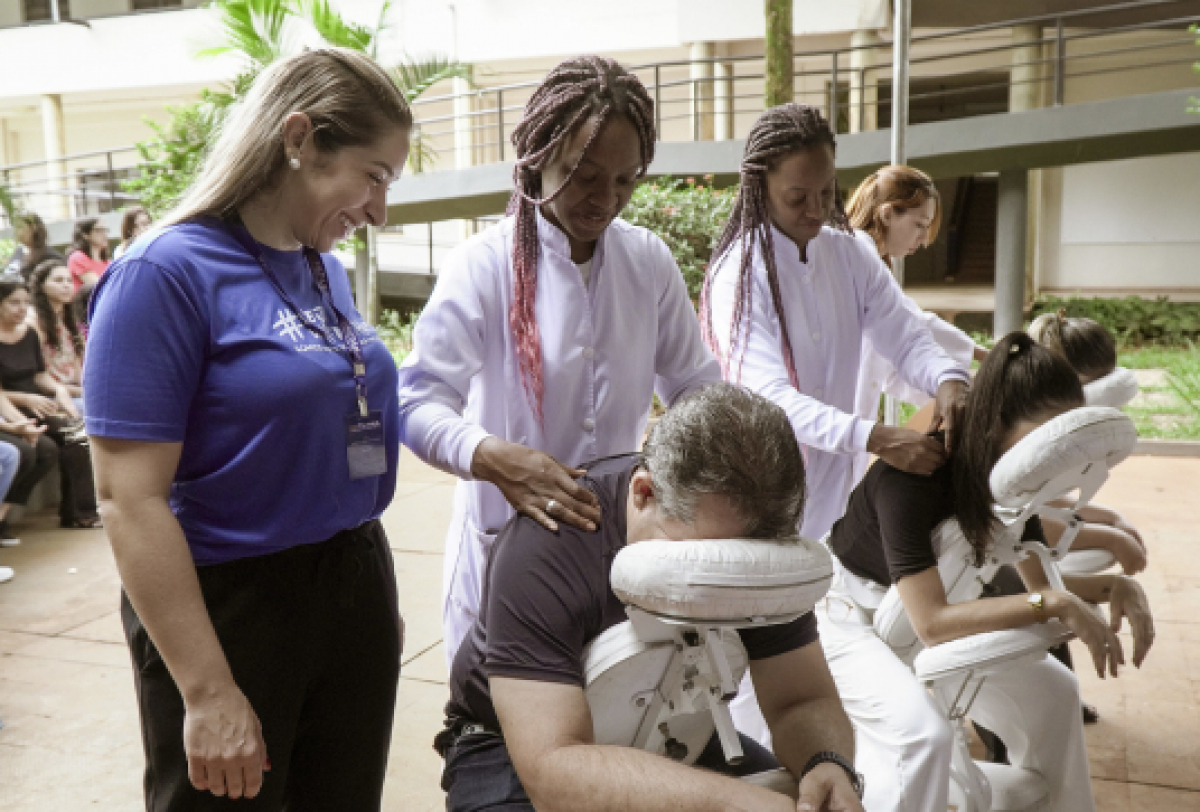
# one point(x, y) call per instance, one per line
point(790, 295)
point(547, 335)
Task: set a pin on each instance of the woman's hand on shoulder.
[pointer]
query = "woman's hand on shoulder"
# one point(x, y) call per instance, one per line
point(906, 449)
point(1086, 622)
point(536, 484)
point(1128, 600)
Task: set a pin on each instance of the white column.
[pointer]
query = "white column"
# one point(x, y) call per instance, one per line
point(464, 122)
point(724, 106)
point(1025, 92)
point(864, 82)
point(1011, 218)
point(5, 158)
point(1025, 87)
point(701, 108)
point(54, 136)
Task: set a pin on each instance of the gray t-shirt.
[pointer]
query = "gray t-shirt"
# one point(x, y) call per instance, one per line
point(547, 595)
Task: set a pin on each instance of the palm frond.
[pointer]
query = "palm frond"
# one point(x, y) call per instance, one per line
point(421, 153)
point(252, 29)
point(332, 27)
point(415, 77)
point(381, 25)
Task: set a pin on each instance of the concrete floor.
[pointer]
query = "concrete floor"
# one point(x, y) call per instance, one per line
point(71, 741)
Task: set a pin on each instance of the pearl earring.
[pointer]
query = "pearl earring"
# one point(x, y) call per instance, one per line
point(294, 163)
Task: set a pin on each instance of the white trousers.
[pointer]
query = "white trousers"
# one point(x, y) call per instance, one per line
point(903, 743)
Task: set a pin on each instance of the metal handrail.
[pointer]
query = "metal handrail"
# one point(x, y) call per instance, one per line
point(694, 99)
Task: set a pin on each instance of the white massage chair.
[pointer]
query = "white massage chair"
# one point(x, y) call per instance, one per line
point(1116, 389)
point(1073, 452)
point(662, 681)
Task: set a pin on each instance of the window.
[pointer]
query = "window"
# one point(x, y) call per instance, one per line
point(146, 5)
point(37, 11)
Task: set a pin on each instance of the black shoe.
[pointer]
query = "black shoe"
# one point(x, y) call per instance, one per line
point(7, 539)
point(1090, 715)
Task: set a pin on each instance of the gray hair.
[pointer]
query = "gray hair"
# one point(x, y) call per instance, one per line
point(728, 441)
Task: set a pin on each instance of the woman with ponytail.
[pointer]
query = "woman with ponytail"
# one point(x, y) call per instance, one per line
point(790, 296)
point(548, 335)
point(1091, 351)
point(897, 211)
point(886, 538)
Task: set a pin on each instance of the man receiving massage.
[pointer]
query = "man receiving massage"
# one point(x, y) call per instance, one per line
point(724, 463)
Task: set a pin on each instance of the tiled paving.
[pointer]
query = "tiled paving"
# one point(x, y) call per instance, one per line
point(70, 740)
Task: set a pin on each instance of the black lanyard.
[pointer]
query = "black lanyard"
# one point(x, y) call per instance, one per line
point(350, 338)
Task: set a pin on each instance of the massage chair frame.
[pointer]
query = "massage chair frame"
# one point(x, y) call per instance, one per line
point(663, 680)
point(1116, 389)
point(954, 680)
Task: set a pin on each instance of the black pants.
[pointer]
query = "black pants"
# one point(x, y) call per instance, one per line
point(76, 480)
point(480, 777)
point(312, 636)
point(38, 456)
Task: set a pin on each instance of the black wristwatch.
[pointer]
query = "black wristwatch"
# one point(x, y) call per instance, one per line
point(856, 779)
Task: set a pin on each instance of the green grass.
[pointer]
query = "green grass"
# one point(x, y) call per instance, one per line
point(1177, 417)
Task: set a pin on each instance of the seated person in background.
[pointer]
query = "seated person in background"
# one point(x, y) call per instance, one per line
point(54, 319)
point(31, 246)
point(723, 463)
point(1091, 351)
point(886, 537)
point(31, 389)
point(89, 251)
point(135, 222)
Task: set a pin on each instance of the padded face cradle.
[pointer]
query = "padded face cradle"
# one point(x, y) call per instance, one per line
point(724, 580)
point(1115, 389)
point(1072, 441)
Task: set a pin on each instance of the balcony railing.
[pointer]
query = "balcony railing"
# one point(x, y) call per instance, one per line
point(959, 73)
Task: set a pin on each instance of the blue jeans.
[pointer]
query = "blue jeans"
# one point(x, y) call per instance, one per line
point(10, 461)
point(480, 777)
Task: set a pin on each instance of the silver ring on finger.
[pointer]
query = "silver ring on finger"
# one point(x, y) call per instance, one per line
point(550, 506)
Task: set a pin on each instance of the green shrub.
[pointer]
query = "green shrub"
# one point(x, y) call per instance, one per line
point(1134, 321)
point(396, 332)
point(688, 216)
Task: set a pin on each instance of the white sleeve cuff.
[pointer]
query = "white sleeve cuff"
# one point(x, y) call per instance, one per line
point(468, 443)
point(862, 434)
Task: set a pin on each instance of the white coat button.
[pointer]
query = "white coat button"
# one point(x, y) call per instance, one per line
point(816, 336)
point(589, 353)
point(589, 424)
point(820, 393)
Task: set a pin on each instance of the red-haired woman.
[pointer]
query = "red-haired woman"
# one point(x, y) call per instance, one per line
point(548, 335)
point(789, 299)
point(897, 211)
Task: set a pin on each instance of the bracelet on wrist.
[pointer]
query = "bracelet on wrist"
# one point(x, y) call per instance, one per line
point(857, 783)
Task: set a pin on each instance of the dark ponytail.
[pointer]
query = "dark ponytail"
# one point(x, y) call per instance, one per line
point(1019, 380)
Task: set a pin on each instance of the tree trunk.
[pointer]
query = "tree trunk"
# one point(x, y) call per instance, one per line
point(780, 87)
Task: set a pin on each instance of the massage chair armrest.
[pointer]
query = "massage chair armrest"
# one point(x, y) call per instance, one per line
point(979, 655)
point(1086, 562)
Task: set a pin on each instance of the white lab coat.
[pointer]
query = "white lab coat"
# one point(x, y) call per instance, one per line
point(606, 350)
point(843, 294)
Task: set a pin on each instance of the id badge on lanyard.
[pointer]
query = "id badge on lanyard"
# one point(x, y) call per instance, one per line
point(365, 450)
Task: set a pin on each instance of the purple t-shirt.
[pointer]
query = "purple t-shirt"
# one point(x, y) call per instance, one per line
point(190, 343)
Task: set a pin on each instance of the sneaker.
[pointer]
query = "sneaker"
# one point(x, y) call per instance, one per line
point(6, 538)
point(6, 574)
